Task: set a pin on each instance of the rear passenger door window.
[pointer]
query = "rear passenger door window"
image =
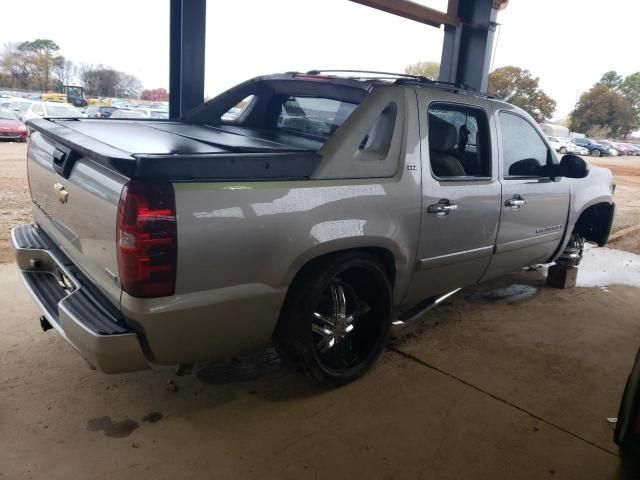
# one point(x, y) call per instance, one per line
point(524, 153)
point(459, 142)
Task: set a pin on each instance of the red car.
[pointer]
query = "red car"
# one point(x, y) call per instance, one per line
point(11, 128)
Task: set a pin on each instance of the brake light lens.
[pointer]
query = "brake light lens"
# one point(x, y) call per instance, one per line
point(147, 239)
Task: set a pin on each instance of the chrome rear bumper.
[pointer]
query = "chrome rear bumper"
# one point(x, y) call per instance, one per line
point(80, 314)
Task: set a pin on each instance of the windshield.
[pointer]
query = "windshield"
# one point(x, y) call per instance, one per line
point(61, 111)
point(74, 91)
point(4, 115)
point(20, 106)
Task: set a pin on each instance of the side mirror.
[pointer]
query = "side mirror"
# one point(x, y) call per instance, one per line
point(572, 166)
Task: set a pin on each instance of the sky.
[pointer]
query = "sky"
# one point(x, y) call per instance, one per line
point(568, 44)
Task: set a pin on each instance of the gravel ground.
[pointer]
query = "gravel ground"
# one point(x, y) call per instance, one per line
point(14, 193)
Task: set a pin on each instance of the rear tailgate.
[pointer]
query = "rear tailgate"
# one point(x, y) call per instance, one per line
point(77, 170)
point(78, 212)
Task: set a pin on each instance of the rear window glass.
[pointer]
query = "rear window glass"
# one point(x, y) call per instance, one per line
point(313, 115)
point(234, 112)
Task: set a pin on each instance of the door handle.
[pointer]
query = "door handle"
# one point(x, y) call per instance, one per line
point(516, 202)
point(442, 208)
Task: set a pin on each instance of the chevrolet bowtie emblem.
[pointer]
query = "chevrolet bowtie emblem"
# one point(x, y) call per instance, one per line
point(63, 195)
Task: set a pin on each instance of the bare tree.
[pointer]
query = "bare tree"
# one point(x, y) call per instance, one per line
point(64, 71)
point(16, 64)
point(128, 86)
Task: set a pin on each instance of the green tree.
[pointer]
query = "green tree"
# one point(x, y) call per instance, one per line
point(611, 79)
point(40, 54)
point(430, 70)
point(603, 107)
point(520, 88)
point(630, 88)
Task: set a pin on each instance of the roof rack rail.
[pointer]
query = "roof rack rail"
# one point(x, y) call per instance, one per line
point(369, 72)
point(406, 78)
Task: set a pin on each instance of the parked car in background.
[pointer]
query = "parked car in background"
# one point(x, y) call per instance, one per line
point(622, 148)
point(635, 147)
point(99, 111)
point(140, 113)
point(559, 145)
point(128, 113)
point(612, 149)
point(155, 113)
point(5, 102)
point(595, 148)
point(11, 128)
point(20, 107)
point(574, 148)
point(51, 109)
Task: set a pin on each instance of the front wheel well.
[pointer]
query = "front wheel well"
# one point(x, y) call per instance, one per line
point(594, 224)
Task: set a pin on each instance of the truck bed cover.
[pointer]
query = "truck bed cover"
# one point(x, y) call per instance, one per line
point(176, 150)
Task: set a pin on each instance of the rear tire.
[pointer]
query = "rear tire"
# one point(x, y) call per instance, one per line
point(336, 318)
point(595, 152)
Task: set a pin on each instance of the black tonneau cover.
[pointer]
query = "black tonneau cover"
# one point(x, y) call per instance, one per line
point(176, 150)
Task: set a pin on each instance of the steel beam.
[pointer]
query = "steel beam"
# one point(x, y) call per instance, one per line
point(412, 11)
point(466, 53)
point(186, 51)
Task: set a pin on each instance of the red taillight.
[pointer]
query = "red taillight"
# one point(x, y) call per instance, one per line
point(147, 239)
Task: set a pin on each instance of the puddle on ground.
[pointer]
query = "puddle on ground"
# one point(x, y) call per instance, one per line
point(510, 294)
point(605, 266)
point(112, 429)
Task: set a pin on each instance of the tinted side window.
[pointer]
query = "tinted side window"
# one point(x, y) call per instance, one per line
point(524, 153)
point(458, 142)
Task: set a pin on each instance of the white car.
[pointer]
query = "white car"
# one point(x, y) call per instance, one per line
point(20, 107)
point(51, 109)
point(558, 145)
point(139, 113)
point(578, 150)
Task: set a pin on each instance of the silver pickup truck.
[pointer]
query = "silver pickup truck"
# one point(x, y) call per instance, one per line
point(311, 210)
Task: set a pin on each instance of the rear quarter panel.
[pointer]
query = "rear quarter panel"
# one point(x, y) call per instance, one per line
point(240, 245)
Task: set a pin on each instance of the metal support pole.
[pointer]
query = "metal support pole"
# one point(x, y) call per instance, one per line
point(186, 50)
point(466, 53)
